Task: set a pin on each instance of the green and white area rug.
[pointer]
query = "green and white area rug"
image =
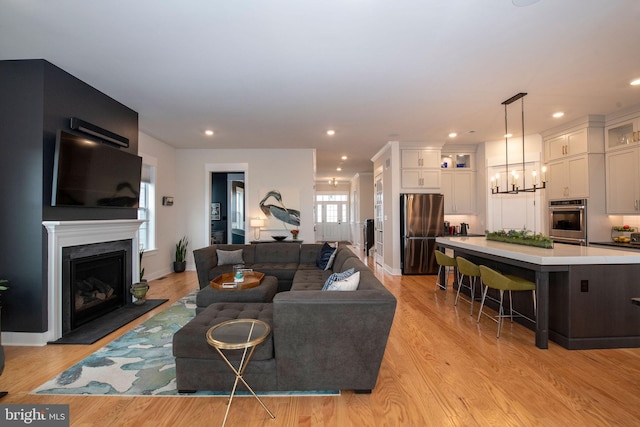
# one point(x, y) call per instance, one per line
point(140, 363)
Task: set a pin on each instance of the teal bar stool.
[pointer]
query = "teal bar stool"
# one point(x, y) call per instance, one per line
point(472, 271)
point(494, 280)
point(444, 261)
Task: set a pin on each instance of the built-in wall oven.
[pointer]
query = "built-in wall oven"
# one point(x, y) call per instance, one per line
point(568, 221)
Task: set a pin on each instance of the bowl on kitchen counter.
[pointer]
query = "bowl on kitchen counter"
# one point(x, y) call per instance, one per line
point(622, 234)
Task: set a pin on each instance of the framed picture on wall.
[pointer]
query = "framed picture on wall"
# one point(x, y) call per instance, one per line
point(215, 211)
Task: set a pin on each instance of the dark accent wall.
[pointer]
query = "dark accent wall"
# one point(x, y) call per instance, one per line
point(38, 98)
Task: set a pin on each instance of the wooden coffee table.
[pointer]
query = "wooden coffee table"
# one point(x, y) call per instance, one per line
point(224, 282)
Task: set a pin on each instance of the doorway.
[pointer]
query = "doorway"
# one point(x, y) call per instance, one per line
point(332, 213)
point(227, 213)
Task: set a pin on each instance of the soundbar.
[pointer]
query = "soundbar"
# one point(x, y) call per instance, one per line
point(94, 130)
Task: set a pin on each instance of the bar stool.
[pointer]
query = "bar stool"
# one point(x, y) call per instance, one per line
point(448, 263)
point(494, 280)
point(471, 270)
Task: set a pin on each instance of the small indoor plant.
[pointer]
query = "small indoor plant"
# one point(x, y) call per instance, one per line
point(523, 237)
point(140, 253)
point(180, 263)
point(139, 289)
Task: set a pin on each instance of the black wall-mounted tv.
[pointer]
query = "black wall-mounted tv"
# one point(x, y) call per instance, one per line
point(93, 174)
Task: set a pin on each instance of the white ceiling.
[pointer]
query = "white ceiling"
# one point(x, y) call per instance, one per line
point(279, 73)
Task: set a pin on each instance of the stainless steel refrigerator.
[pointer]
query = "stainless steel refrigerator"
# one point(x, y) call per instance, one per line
point(422, 220)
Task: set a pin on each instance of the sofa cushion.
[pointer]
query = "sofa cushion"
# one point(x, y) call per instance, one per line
point(229, 257)
point(283, 253)
point(309, 253)
point(310, 279)
point(342, 255)
point(355, 263)
point(336, 277)
point(190, 341)
point(348, 284)
point(326, 256)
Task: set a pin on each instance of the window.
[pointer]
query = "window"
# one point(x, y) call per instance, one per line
point(331, 207)
point(146, 209)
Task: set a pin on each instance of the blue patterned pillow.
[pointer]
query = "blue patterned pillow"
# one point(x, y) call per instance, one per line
point(349, 284)
point(337, 277)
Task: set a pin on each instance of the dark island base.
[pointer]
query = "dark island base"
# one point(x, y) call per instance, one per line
point(589, 305)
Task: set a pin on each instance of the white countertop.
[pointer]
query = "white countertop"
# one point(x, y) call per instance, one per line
point(561, 254)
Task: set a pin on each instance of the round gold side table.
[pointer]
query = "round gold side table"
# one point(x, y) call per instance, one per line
point(239, 334)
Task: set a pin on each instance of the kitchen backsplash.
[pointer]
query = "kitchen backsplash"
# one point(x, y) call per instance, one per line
point(632, 221)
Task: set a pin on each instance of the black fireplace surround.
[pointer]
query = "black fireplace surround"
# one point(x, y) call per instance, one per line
point(95, 281)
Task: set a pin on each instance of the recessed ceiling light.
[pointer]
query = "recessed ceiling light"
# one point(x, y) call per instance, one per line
point(338, 169)
point(558, 114)
point(344, 157)
point(636, 82)
point(453, 135)
point(208, 132)
point(524, 3)
point(331, 132)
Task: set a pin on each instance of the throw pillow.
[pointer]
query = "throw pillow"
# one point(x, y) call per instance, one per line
point(229, 257)
point(338, 276)
point(331, 258)
point(349, 284)
point(324, 256)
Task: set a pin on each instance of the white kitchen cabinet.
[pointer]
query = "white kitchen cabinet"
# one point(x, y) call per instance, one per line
point(567, 145)
point(575, 159)
point(418, 178)
point(568, 178)
point(420, 158)
point(420, 168)
point(458, 188)
point(623, 181)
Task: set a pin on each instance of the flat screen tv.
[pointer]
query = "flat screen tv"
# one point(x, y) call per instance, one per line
point(92, 174)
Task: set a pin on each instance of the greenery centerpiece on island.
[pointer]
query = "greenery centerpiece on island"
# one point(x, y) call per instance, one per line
point(522, 237)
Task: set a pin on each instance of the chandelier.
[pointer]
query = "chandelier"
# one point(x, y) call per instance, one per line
point(333, 182)
point(516, 187)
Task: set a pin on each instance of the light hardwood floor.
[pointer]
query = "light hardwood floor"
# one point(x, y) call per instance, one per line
point(440, 369)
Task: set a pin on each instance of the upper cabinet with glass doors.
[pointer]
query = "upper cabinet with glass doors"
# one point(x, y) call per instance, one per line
point(623, 134)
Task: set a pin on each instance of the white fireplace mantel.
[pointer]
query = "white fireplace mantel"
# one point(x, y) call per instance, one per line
point(62, 234)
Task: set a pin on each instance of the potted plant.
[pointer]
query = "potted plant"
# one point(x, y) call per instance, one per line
point(139, 289)
point(180, 263)
point(140, 253)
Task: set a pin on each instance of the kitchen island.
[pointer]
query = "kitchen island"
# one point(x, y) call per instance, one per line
point(582, 294)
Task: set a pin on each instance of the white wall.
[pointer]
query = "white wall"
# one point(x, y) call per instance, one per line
point(157, 263)
point(289, 171)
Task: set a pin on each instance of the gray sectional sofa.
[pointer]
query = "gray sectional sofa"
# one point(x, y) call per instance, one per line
point(320, 340)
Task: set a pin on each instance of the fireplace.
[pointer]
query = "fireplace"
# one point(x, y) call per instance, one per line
point(117, 235)
point(95, 281)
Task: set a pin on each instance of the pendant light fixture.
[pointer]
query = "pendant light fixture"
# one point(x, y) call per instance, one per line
point(516, 187)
